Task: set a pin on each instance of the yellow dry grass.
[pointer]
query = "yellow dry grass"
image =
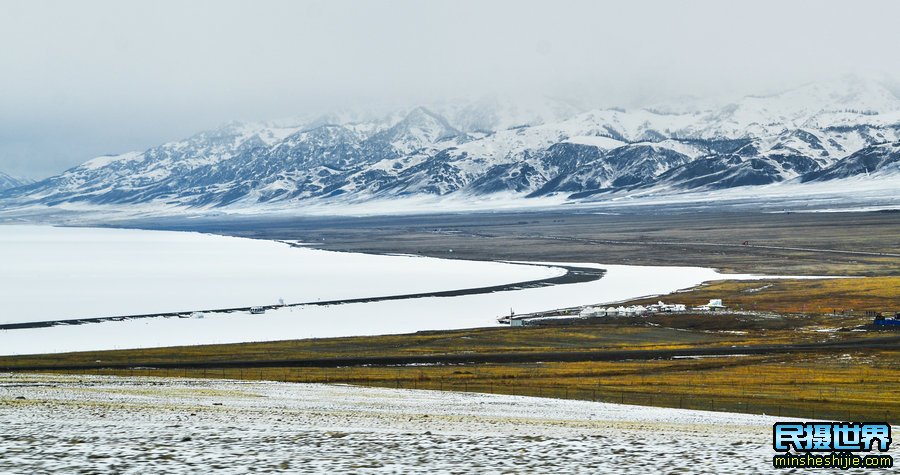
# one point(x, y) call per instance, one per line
point(814, 296)
point(858, 385)
point(853, 386)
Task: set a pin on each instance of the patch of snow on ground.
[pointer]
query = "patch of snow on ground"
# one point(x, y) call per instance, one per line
point(155, 425)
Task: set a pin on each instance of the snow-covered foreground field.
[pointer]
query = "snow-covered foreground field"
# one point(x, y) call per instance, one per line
point(146, 425)
point(55, 273)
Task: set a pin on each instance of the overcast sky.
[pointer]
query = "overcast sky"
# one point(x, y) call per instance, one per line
point(86, 78)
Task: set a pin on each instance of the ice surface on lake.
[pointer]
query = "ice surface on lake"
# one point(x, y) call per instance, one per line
point(53, 273)
point(50, 273)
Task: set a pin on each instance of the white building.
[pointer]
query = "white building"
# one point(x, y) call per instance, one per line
point(589, 312)
point(714, 304)
point(664, 307)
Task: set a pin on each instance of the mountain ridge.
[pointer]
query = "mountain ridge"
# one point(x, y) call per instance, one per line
point(810, 134)
point(8, 181)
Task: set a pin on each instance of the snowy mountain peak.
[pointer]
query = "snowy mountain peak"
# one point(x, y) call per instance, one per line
point(815, 132)
point(433, 125)
point(506, 111)
point(850, 93)
point(847, 95)
point(419, 129)
point(9, 181)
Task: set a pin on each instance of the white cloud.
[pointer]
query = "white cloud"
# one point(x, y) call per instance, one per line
point(131, 74)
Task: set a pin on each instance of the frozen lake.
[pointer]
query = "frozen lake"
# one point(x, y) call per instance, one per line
point(52, 273)
point(58, 273)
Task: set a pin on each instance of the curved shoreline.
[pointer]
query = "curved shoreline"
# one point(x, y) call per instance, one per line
point(573, 275)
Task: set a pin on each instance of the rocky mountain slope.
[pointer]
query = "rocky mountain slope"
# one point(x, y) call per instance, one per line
point(9, 181)
point(817, 132)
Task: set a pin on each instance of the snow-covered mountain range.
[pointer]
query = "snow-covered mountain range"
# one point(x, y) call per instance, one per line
point(814, 133)
point(9, 181)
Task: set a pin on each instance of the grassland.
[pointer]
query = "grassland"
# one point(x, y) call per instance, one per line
point(847, 385)
point(813, 297)
point(827, 382)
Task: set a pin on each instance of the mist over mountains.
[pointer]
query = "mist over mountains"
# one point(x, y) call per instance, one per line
point(815, 133)
point(9, 181)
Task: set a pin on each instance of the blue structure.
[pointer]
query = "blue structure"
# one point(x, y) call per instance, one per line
point(887, 322)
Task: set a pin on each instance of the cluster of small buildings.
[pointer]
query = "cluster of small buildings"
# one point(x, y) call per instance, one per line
point(621, 311)
point(589, 312)
point(661, 307)
point(637, 310)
